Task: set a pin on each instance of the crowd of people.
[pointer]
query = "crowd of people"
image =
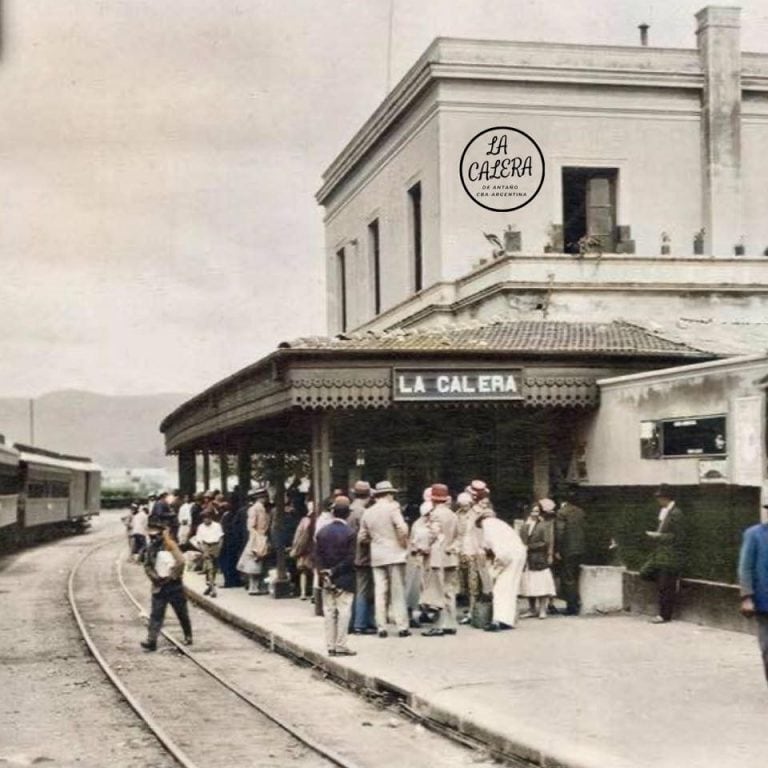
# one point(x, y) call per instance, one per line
point(358, 557)
point(373, 572)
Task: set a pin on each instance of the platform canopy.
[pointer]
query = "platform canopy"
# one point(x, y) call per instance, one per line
point(527, 364)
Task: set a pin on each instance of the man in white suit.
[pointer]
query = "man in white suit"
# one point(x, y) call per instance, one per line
point(507, 552)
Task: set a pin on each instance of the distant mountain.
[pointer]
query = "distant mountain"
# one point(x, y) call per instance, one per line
point(115, 431)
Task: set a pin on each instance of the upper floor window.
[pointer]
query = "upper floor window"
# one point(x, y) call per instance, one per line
point(341, 283)
point(589, 209)
point(414, 196)
point(374, 251)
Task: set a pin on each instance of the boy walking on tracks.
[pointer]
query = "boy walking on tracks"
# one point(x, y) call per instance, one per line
point(164, 565)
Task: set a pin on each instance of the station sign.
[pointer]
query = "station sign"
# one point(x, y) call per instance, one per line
point(425, 384)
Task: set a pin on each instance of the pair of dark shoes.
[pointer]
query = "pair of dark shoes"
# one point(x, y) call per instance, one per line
point(210, 590)
point(437, 632)
point(497, 626)
point(149, 645)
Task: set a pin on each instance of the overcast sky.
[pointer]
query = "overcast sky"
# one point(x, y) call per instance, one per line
point(158, 164)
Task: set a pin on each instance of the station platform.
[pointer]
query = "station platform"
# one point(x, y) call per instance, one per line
point(575, 692)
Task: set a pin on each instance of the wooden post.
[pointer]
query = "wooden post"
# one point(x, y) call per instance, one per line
point(206, 470)
point(282, 587)
point(223, 469)
point(541, 468)
point(187, 471)
point(321, 475)
point(321, 457)
point(244, 468)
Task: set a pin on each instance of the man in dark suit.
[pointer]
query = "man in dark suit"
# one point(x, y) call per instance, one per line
point(570, 546)
point(668, 558)
point(165, 511)
point(335, 560)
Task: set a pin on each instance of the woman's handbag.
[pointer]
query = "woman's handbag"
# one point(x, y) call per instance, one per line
point(259, 545)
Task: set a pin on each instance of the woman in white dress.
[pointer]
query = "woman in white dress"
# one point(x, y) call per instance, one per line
point(537, 584)
point(252, 560)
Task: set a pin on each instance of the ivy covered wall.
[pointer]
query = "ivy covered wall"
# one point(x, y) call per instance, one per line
point(716, 516)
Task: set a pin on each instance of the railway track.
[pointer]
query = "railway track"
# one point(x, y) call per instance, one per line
point(202, 706)
point(228, 701)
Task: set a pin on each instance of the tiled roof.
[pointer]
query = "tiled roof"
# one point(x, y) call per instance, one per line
point(529, 336)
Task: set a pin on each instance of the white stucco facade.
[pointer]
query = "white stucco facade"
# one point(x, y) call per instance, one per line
point(684, 133)
point(733, 389)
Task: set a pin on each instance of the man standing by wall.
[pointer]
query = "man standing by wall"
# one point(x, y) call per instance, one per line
point(666, 561)
point(335, 557)
point(753, 579)
point(570, 547)
point(384, 527)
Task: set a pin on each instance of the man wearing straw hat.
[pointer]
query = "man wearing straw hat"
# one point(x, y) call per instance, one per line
point(444, 560)
point(383, 526)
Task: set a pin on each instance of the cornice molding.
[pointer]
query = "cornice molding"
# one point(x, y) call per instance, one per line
point(546, 288)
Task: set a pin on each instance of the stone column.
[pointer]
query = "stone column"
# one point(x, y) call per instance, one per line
point(187, 471)
point(718, 36)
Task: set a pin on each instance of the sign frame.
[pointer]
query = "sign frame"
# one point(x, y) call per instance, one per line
point(692, 454)
point(430, 395)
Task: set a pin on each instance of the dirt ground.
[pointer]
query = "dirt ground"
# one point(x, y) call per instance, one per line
point(56, 707)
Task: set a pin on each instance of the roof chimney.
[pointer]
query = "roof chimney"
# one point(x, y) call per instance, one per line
point(643, 33)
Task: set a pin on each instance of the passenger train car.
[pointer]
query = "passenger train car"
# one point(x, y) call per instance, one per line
point(43, 493)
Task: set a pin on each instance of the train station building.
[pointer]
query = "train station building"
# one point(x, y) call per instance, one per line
point(448, 357)
point(505, 401)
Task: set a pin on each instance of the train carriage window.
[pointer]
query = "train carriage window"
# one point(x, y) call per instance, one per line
point(9, 481)
point(36, 490)
point(59, 490)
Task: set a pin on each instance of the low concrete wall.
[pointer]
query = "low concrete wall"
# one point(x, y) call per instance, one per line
point(601, 589)
point(709, 603)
